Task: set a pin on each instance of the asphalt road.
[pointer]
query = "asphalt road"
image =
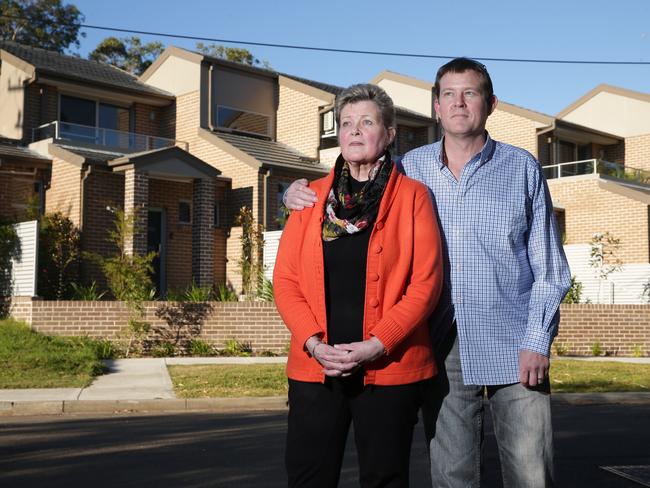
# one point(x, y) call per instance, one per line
point(246, 450)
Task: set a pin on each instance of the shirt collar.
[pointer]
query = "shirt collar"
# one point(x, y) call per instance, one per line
point(483, 156)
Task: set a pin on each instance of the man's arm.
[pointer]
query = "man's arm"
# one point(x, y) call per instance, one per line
point(551, 277)
point(299, 195)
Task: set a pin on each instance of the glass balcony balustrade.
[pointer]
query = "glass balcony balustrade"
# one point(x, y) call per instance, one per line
point(597, 166)
point(99, 137)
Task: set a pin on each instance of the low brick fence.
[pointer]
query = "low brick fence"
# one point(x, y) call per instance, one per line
point(257, 323)
point(620, 329)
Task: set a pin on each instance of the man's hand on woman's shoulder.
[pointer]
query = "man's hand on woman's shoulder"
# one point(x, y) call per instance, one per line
point(299, 195)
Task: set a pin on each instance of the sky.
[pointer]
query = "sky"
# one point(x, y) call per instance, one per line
point(594, 30)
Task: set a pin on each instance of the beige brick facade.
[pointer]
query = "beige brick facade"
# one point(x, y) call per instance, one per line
point(637, 152)
point(298, 122)
point(64, 194)
point(589, 209)
point(513, 129)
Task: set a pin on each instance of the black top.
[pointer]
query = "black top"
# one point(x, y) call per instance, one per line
point(345, 281)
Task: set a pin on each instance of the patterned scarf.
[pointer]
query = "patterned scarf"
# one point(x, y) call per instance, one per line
point(360, 209)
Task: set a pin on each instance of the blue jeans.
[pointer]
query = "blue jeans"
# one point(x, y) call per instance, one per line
point(453, 419)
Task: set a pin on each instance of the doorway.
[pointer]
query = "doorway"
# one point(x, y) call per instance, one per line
point(157, 242)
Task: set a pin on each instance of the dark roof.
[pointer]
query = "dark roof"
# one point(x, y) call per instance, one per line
point(272, 153)
point(405, 112)
point(79, 69)
point(11, 149)
point(333, 89)
point(92, 156)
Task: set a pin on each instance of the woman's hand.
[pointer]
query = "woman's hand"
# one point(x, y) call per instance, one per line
point(336, 362)
point(363, 352)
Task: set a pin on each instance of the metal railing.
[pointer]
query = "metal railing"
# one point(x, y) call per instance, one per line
point(85, 135)
point(596, 166)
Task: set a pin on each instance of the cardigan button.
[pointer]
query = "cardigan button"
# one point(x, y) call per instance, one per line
point(379, 226)
point(374, 277)
point(378, 249)
point(374, 302)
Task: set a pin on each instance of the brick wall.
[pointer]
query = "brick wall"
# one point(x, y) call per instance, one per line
point(41, 106)
point(17, 190)
point(298, 124)
point(513, 129)
point(589, 209)
point(637, 152)
point(618, 328)
point(64, 194)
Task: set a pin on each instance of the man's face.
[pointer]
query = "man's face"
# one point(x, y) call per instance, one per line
point(461, 106)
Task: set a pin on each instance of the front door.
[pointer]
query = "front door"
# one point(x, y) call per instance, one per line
point(156, 243)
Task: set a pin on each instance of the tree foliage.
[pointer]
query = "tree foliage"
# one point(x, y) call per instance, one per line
point(128, 53)
point(9, 250)
point(235, 54)
point(58, 257)
point(47, 24)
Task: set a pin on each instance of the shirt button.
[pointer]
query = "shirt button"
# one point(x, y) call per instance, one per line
point(373, 302)
point(380, 225)
point(378, 249)
point(374, 277)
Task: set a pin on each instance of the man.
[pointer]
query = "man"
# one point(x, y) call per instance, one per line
point(505, 277)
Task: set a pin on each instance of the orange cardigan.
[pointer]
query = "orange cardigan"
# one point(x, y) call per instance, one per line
point(403, 282)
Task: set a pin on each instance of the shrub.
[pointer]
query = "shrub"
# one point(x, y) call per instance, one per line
point(233, 347)
point(58, 256)
point(575, 292)
point(596, 349)
point(88, 293)
point(163, 350)
point(9, 250)
point(198, 347)
point(225, 293)
point(561, 349)
point(637, 351)
point(265, 291)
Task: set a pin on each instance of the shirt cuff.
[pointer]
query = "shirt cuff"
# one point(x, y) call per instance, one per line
point(537, 341)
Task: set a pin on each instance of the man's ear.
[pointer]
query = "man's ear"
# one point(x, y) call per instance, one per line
point(493, 104)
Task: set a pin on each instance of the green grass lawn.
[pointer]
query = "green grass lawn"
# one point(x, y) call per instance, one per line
point(571, 376)
point(32, 360)
point(229, 380)
point(567, 376)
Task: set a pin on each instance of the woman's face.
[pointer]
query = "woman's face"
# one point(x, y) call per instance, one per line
point(362, 134)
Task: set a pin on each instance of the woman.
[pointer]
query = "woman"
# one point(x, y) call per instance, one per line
point(355, 278)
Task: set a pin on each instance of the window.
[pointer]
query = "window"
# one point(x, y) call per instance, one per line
point(184, 212)
point(78, 117)
point(242, 121)
point(81, 118)
point(282, 212)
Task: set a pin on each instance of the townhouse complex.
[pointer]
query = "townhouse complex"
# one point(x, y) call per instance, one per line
point(194, 138)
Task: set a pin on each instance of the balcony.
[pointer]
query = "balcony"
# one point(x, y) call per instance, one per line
point(599, 167)
point(98, 137)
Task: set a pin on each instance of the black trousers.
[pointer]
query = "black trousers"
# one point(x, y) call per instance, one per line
point(319, 420)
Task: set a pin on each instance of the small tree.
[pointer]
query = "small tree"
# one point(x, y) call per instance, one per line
point(604, 256)
point(127, 53)
point(252, 245)
point(9, 250)
point(58, 256)
point(575, 292)
point(129, 279)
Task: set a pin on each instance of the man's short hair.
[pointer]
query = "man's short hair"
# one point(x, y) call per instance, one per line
point(460, 65)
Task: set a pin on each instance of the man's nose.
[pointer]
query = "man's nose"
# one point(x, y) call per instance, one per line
point(459, 100)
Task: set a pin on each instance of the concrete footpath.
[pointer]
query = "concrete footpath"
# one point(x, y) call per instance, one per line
point(143, 385)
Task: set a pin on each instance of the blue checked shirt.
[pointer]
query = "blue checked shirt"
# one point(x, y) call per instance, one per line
point(505, 269)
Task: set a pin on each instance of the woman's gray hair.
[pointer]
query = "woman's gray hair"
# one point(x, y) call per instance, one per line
point(366, 92)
